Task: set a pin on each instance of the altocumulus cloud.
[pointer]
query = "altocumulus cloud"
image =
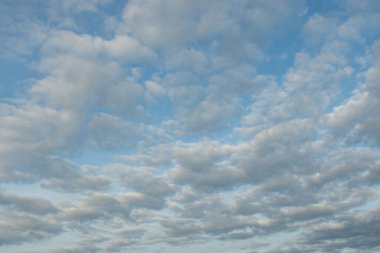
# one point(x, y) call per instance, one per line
point(182, 126)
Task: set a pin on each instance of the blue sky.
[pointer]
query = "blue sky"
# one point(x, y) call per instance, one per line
point(189, 126)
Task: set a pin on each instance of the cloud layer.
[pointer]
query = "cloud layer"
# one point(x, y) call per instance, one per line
point(146, 126)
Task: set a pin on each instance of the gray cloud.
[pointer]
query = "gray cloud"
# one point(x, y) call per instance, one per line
point(223, 19)
point(357, 232)
point(357, 116)
point(30, 134)
point(24, 228)
point(66, 176)
point(113, 133)
point(31, 205)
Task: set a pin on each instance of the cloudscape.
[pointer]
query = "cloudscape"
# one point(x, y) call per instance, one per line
point(178, 126)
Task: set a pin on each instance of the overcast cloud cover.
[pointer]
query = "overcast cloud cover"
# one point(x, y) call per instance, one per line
point(245, 126)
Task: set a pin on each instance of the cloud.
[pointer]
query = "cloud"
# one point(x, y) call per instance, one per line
point(358, 232)
point(208, 171)
point(20, 31)
point(31, 205)
point(123, 48)
point(24, 228)
point(143, 180)
point(206, 20)
point(284, 148)
point(64, 175)
point(68, 88)
point(30, 134)
point(111, 132)
point(357, 115)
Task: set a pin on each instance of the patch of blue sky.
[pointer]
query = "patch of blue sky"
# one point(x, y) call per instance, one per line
point(15, 78)
point(281, 51)
point(95, 157)
point(324, 7)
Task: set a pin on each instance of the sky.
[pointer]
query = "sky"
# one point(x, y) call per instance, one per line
point(147, 126)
